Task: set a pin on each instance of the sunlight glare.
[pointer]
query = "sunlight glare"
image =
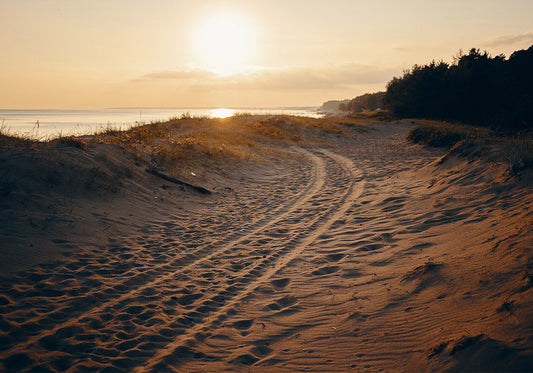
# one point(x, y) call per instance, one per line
point(223, 43)
point(222, 113)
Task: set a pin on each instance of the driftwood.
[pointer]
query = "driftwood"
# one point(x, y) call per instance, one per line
point(176, 181)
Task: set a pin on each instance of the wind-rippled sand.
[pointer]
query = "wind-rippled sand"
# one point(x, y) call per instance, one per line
point(368, 255)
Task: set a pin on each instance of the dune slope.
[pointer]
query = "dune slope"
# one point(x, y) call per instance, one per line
point(352, 251)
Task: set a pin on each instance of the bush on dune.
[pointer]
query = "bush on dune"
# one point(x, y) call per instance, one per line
point(477, 143)
point(443, 134)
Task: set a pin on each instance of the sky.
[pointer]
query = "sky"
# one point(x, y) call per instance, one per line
point(94, 54)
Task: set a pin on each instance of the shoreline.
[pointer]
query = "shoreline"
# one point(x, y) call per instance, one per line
point(65, 122)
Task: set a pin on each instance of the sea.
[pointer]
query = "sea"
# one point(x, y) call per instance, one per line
point(48, 124)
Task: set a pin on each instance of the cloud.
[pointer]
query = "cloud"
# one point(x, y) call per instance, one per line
point(510, 39)
point(282, 78)
point(333, 77)
point(176, 75)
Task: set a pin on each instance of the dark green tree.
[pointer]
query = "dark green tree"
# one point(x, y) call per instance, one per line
point(476, 88)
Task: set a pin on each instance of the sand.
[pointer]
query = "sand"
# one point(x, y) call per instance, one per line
point(361, 253)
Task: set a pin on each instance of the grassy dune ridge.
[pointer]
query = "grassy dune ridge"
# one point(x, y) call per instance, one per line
point(51, 187)
point(515, 150)
point(161, 144)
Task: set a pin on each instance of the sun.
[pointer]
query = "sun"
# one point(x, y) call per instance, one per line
point(223, 43)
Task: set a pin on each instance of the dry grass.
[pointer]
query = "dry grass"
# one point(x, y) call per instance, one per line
point(272, 127)
point(518, 153)
point(446, 135)
point(242, 136)
point(14, 141)
point(71, 164)
point(379, 115)
point(304, 129)
point(72, 141)
point(515, 151)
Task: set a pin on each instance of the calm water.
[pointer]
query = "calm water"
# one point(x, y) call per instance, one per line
point(44, 124)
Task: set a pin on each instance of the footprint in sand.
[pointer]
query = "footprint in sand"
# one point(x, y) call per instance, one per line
point(243, 324)
point(325, 271)
point(281, 283)
point(335, 257)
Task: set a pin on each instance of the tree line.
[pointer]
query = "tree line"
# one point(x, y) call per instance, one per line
point(368, 101)
point(476, 88)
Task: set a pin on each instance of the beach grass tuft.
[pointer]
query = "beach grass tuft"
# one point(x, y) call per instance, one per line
point(444, 135)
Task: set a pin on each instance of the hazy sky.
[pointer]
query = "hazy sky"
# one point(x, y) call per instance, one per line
point(254, 53)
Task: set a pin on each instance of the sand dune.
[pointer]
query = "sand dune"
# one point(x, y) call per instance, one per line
point(348, 252)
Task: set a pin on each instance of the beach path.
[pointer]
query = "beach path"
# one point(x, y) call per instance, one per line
point(364, 255)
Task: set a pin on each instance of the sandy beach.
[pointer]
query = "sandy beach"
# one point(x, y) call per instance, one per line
point(338, 248)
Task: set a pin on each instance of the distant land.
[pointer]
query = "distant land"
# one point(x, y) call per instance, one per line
point(333, 105)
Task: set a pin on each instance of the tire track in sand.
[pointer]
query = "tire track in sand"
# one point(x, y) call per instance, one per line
point(180, 345)
point(81, 304)
point(311, 190)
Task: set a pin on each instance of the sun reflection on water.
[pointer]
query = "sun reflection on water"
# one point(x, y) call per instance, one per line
point(222, 113)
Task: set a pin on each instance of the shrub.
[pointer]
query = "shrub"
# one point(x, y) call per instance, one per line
point(270, 127)
point(519, 153)
point(16, 141)
point(442, 134)
point(73, 141)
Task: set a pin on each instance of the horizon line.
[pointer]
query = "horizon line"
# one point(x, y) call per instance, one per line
point(177, 108)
